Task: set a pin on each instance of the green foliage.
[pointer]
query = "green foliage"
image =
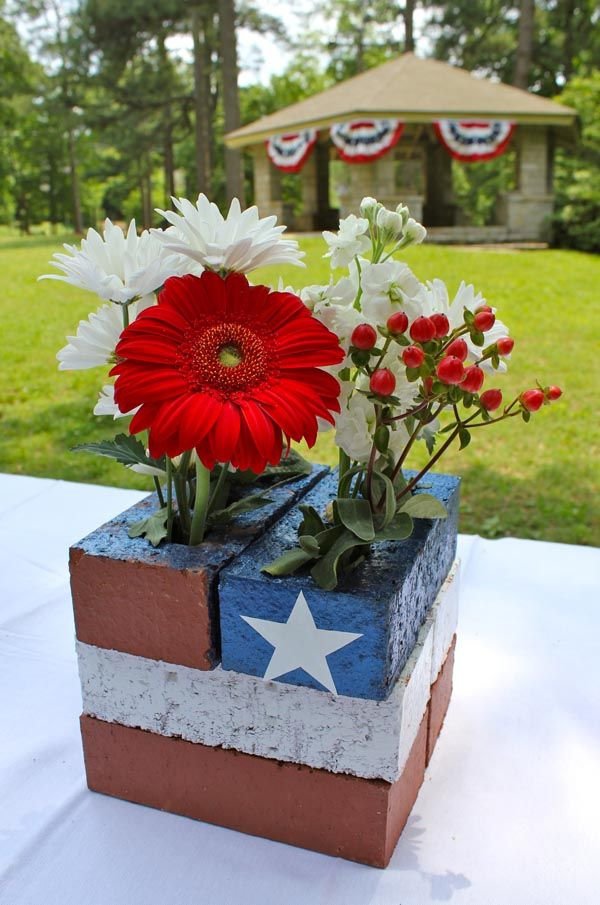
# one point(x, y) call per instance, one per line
point(577, 177)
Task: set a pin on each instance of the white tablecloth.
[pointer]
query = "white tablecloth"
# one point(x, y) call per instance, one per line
point(509, 813)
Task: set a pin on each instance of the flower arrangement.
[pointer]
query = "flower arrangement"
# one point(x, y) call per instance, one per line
point(218, 376)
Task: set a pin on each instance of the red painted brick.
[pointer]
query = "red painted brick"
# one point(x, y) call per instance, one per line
point(441, 691)
point(333, 813)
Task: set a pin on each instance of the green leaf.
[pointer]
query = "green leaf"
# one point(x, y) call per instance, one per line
point(247, 504)
point(357, 517)
point(399, 528)
point(288, 562)
point(153, 528)
point(324, 571)
point(292, 464)
point(327, 538)
point(309, 544)
point(390, 496)
point(424, 505)
point(464, 436)
point(124, 449)
point(477, 338)
point(525, 415)
point(312, 523)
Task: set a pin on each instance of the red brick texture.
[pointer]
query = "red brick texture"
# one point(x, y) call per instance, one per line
point(441, 691)
point(146, 609)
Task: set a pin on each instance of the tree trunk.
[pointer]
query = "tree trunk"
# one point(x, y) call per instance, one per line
point(167, 125)
point(146, 191)
point(234, 177)
point(408, 14)
point(202, 108)
point(569, 42)
point(75, 192)
point(525, 44)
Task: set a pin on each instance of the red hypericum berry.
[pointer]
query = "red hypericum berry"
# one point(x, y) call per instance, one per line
point(505, 345)
point(532, 400)
point(382, 382)
point(484, 320)
point(473, 379)
point(450, 370)
point(413, 357)
point(364, 337)
point(483, 308)
point(553, 393)
point(442, 325)
point(397, 323)
point(458, 348)
point(491, 400)
point(422, 330)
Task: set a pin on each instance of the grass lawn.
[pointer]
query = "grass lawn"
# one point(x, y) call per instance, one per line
point(538, 480)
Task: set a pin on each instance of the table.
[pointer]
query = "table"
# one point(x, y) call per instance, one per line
point(508, 813)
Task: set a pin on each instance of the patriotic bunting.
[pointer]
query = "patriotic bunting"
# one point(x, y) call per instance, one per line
point(365, 140)
point(290, 152)
point(474, 140)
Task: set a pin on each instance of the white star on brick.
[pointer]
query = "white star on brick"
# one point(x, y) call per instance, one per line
point(299, 644)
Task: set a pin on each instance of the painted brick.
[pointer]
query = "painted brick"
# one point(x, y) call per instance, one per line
point(357, 819)
point(441, 692)
point(386, 599)
point(444, 619)
point(161, 603)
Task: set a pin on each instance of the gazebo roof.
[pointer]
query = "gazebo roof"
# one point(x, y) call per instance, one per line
point(413, 90)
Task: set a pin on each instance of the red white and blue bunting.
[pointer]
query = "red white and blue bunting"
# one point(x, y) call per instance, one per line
point(365, 140)
point(290, 152)
point(474, 140)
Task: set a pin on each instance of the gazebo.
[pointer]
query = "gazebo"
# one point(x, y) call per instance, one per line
point(396, 128)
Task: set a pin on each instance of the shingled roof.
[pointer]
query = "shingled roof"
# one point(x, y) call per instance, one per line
point(413, 90)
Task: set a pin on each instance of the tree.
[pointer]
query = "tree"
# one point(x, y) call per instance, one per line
point(525, 44)
point(231, 101)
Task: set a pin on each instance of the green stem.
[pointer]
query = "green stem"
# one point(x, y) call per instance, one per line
point(343, 466)
point(219, 484)
point(159, 492)
point(169, 500)
point(180, 481)
point(200, 505)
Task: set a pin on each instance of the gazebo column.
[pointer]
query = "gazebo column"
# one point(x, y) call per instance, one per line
point(363, 182)
point(529, 208)
point(316, 212)
point(267, 184)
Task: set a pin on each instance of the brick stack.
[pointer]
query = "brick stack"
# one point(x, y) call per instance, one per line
point(177, 714)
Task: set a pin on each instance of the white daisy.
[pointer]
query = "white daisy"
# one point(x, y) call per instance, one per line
point(96, 338)
point(117, 267)
point(242, 241)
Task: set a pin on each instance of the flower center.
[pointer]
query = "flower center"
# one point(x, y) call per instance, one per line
point(225, 357)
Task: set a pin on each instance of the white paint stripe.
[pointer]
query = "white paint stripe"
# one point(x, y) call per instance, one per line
point(444, 615)
point(371, 739)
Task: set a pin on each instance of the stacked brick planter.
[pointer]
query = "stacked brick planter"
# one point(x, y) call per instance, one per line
point(177, 713)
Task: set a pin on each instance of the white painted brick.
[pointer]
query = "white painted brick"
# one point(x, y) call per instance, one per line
point(444, 616)
point(371, 739)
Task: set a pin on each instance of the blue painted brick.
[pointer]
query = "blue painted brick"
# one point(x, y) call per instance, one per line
point(386, 598)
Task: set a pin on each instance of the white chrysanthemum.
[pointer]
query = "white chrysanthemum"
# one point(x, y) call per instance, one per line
point(117, 267)
point(106, 404)
point(349, 241)
point(388, 287)
point(435, 299)
point(96, 338)
point(242, 241)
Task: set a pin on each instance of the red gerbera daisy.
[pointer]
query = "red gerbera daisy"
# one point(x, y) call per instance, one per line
point(227, 369)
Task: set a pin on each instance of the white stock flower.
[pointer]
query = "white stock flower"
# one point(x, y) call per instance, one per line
point(117, 267)
point(106, 404)
point(390, 223)
point(355, 424)
point(333, 305)
point(414, 232)
point(241, 241)
point(388, 287)
point(348, 242)
point(94, 343)
point(435, 299)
